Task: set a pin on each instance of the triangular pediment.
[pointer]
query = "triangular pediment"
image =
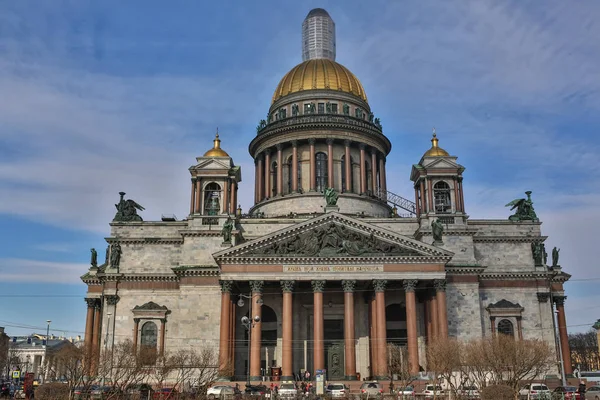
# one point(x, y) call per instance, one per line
point(439, 162)
point(333, 236)
point(212, 163)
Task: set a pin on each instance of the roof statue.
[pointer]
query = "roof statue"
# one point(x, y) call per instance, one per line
point(94, 259)
point(525, 211)
point(226, 231)
point(437, 228)
point(331, 196)
point(555, 255)
point(127, 210)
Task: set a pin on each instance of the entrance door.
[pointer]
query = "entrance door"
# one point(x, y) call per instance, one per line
point(334, 348)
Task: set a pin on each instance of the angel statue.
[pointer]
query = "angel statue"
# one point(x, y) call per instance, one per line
point(127, 210)
point(437, 228)
point(525, 211)
point(555, 255)
point(331, 196)
point(94, 259)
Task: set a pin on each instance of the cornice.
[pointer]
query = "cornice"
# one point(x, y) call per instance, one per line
point(464, 269)
point(277, 260)
point(196, 270)
point(508, 275)
point(149, 278)
point(514, 239)
point(193, 233)
point(450, 231)
point(145, 240)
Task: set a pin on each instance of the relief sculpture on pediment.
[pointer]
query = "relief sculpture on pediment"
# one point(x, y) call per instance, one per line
point(332, 240)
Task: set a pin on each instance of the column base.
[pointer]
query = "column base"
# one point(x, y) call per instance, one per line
point(224, 379)
point(351, 378)
point(381, 378)
point(256, 378)
point(287, 378)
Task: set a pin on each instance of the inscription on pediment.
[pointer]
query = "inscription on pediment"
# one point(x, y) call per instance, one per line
point(332, 240)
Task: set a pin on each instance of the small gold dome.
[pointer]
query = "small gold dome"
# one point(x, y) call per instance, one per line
point(435, 150)
point(216, 151)
point(319, 73)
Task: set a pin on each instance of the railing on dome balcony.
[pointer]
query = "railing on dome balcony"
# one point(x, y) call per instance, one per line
point(396, 200)
point(320, 118)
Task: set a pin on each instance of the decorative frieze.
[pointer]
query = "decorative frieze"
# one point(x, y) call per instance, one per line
point(318, 286)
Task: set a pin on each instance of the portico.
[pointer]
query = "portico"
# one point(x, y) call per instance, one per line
point(324, 280)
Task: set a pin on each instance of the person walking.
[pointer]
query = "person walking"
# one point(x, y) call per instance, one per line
point(581, 390)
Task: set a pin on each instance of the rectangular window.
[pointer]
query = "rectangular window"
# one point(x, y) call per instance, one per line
point(307, 109)
point(334, 109)
point(321, 108)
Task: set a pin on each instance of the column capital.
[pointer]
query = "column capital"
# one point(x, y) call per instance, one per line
point(163, 320)
point(559, 300)
point(257, 286)
point(440, 285)
point(287, 286)
point(279, 146)
point(267, 152)
point(379, 285)
point(493, 318)
point(329, 141)
point(410, 285)
point(362, 146)
point(294, 143)
point(91, 302)
point(347, 143)
point(349, 285)
point(317, 286)
point(543, 297)
point(382, 157)
point(226, 286)
point(311, 141)
point(259, 157)
point(374, 151)
point(194, 179)
point(111, 299)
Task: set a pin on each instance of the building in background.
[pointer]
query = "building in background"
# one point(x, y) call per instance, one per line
point(328, 266)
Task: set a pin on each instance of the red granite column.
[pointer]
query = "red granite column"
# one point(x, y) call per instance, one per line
point(193, 197)
point(89, 329)
point(313, 172)
point(456, 196)
point(330, 180)
point(427, 318)
point(440, 289)
point(198, 194)
point(294, 172)
point(163, 332)
point(381, 349)
point(261, 186)
point(423, 201)
point(363, 172)
point(96, 338)
point(493, 325)
point(287, 372)
point(382, 177)
point(232, 333)
point(225, 329)
point(374, 184)
point(373, 334)
point(256, 181)
point(348, 166)
point(411, 324)
point(256, 327)
point(349, 338)
point(233, 201)
point(562, 331)
point(519, 328)
point(417, 206)
point(136, 329)
point(318, 331)
point(279, 169)
point(435, 323)
point(268, 174)
point(226, 197)
point(431, 207)
point(461, 195)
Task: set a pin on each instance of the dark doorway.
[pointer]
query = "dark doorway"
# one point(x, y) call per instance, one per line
point(334, 348)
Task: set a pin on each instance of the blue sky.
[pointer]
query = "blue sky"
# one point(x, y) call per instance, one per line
point(99, 97)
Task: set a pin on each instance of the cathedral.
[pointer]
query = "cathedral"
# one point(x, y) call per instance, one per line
point(328, 266)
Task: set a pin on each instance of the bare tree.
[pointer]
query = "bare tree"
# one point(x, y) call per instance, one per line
point(399, 366)
point(203, 369)
point(121, 367)
point(476, 366)
point(444, 359)
point(584, 350)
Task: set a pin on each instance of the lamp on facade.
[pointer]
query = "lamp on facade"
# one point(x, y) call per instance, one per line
point(249, 324)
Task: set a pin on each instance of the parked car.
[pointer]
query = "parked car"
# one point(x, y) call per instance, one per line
point(287, 390)
point(565, 392)
point(5, 389)
point(139, 392)
point(593, 393)
point(371, 389)
point(407, 392)
point(218, 390)
point(256, 390)
point(337, 390)
point(165, 394)
point(433, 390)
point(469, 392)
point(535, 391)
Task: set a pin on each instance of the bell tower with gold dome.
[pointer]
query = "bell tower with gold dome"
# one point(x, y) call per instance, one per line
point(215, 181)
point(320, 132)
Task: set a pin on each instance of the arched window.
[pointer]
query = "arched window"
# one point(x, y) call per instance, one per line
point(212, 199)
point(347, 187)
point(321, 169)
point(149, 339)
point(505, 327)
point(274, 178)
point(441, 193)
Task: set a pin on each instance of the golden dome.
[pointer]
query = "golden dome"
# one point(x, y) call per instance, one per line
point(435, 150)
point(216, 151)
point(319, 73)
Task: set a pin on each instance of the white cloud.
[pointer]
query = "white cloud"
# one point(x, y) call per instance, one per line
point(23, 270)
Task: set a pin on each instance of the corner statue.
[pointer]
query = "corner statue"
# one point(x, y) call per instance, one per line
point(525, 211)
point(94, 260)
point(437, 229)
point(127, 210)
point(226, 231)
point(331, 196)
point(555, 255)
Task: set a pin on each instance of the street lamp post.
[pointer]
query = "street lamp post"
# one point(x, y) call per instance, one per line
point(46, 351)
point(249, 324)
